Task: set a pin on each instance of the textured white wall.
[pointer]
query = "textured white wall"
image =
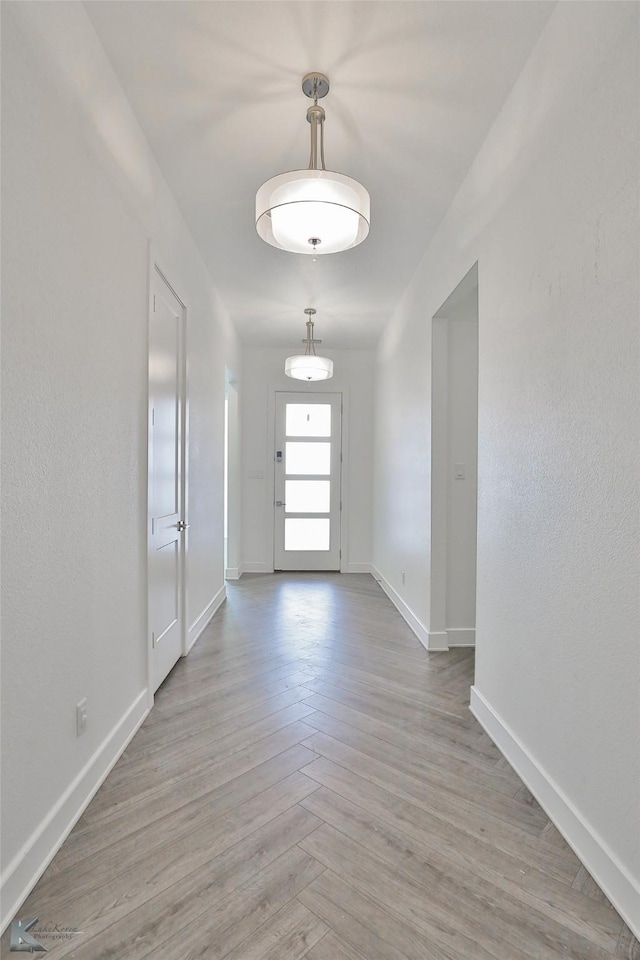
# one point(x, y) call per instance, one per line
point(263, 373)
point(549, 210)
point(81, 198)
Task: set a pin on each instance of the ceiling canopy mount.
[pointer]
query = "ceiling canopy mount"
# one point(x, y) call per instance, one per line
point(315, 85)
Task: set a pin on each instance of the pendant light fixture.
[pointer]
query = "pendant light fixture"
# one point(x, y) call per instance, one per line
point(316, 210)
point(309, 366)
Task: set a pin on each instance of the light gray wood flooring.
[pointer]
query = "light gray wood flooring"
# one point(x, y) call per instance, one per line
point(312, 784)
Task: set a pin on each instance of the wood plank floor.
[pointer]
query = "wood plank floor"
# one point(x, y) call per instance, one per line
point(312, 784)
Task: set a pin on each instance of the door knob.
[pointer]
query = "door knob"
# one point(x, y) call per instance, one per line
point(279, 503)
point(181, 525)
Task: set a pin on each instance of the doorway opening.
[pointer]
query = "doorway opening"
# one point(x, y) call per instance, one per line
point(232, 518)
point(454, 467)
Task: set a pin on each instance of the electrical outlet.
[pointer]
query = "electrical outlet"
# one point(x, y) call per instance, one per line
point(81, 716)
point(402, 574)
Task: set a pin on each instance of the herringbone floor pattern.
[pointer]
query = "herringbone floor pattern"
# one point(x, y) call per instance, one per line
point(311, 784)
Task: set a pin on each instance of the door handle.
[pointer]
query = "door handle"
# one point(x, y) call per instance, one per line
point(181, 525)
point(279, 503)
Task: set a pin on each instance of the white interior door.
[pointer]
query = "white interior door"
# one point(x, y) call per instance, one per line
point(307, 458)
point(166, 476)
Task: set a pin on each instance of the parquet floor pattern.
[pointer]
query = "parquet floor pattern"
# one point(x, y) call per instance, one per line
point(312, 784)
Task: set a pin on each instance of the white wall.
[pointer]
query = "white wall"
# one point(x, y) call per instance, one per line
point(549, 210)
point(81, 199)
point(263, 374)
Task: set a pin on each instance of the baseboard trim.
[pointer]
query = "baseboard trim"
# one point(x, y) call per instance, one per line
point(202, 621)
point(612, 876)
point(257, 566)
point(403, 609)
point(234, 573)
point(437, 640)
point(357, 568)
point(31, 861)
point(461, 637)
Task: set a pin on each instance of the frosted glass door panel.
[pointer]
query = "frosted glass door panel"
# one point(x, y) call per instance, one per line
point(308, 420)
point(308, 458)
point(307, 496)
point(306, 534)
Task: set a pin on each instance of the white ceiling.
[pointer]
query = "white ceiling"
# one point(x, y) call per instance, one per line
point(415, 87)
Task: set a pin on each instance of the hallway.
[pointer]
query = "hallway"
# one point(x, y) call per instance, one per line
point(311, 783)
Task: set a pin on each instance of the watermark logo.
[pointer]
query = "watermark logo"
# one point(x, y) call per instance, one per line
point(21, 939)
point(24, 941)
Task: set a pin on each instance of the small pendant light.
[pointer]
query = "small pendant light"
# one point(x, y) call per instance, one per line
point(309, 366)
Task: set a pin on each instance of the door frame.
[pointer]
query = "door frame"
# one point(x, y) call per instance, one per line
point(441, 635)
point(326, 387)
point(155, 267)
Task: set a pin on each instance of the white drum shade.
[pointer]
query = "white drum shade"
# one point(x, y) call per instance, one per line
point(312, 211)
point(309, 368)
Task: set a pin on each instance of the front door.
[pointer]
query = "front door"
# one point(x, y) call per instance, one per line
point(166, 472)
point(307, 481)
